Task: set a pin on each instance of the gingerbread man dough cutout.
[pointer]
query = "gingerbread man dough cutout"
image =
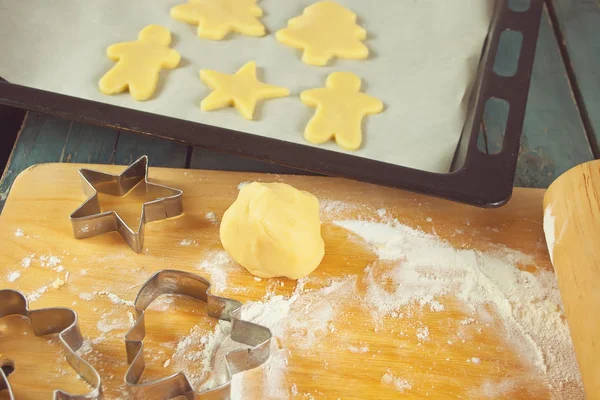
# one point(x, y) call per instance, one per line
point(323, 31)
point(216, 18)
point(341, 108)
point(139, 63)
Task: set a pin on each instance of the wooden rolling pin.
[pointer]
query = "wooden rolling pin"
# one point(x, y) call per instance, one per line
point(572, 227)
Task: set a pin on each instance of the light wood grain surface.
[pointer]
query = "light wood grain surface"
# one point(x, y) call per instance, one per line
point(572, 206)
point(34, 225)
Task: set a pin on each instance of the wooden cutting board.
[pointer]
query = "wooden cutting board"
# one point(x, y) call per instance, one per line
point(38, 246)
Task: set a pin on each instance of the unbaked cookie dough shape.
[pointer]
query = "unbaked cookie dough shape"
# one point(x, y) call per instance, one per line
point(241, 90)
point(323, 31)
point(274, 230)
point(217, 18)
point(341, 108)
point(139, 63)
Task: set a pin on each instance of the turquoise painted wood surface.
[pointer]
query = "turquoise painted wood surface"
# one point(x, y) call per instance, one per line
point(160, 152)
point(579, 24)
point(88, 143)
point(42, 139)
point(46, 138)
point(553, 137)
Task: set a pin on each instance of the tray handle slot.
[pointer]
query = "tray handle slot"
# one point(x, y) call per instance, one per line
point(473, 165)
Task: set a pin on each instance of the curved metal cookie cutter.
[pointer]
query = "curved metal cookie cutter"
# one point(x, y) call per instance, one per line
point(89, 220)
point(245, 332)
point(46, 321)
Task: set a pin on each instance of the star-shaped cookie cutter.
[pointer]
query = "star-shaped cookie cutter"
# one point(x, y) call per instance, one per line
point(245, 332)
point(46, 321)
point(89, 220)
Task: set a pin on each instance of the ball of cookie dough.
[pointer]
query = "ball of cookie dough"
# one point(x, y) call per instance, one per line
point(273, 229)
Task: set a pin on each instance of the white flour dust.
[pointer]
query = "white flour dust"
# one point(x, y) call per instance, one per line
point(188, 242)
point(217, 263)
point(363, 348)
point(115, 319)
point(304, 317)
point(390, 379)
point(427, 268)
point(423, 333)
point(110, 296)
point(13, 276)
point(26, 261)
point(212, 217)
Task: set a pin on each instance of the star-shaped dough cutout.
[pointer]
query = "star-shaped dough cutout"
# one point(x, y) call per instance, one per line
point(89, 219)
point(216, 18)
point(241, 90)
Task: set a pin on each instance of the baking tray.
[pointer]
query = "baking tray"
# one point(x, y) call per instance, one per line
point(474, 177)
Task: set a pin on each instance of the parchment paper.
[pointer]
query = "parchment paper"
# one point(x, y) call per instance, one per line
point(424, 54)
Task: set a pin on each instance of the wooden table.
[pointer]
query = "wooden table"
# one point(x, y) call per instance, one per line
point(562, 125)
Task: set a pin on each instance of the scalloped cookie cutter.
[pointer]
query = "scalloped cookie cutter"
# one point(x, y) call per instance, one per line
point(245, 332)
point(47, 321)
point(89, 220)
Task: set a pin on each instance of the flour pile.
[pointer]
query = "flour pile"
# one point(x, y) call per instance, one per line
point(414, 271)
point(427, 268)
point(305, 316)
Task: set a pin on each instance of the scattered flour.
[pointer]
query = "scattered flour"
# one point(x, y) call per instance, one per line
point(187, 242)
point(19, 232)
point(304, 317)
point(436, 306)
point(162, 303)
point(52, 262)
point(115, 299)
point(115, 320)
point(13, 276)
point(37, 294)
point(26, 261)
point(423, 333)
point(474, 360)
point(86, 296)
point(212, 217)
point(334, 208)
point(217, 263)
point(111, 296)
point(425, 268)
point(242, 184)
point(495, 390)
point(400, 384)
point(359, 349)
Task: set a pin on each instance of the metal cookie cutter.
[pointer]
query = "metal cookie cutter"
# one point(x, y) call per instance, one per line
point(46, 321)
point(245, 332)
point(89, 220)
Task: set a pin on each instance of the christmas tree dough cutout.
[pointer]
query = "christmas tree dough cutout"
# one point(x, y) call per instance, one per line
point(325, 30)
point(139, 63)
point(241, 90)
point(341, 108)
point(216, 18)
